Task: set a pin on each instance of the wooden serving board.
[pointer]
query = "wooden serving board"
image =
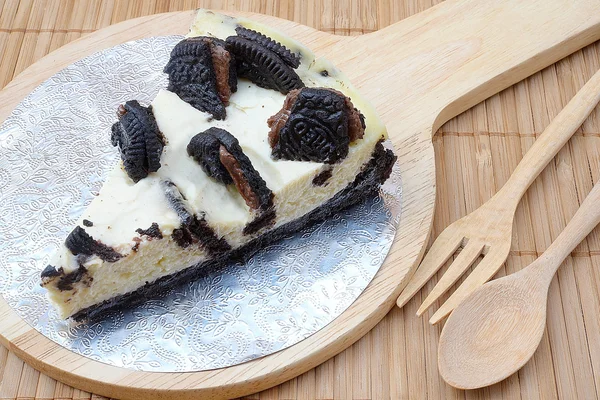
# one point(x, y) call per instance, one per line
point(418, 73)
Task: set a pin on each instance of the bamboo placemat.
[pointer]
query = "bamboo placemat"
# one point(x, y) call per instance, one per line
point(475, 154)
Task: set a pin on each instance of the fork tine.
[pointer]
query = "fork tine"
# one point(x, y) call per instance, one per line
point(462, 262)
point(442, 249)
point(484, 271)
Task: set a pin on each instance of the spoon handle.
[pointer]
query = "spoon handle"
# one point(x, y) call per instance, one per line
point(582, 223)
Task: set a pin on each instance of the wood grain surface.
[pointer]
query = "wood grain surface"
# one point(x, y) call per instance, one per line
point(475, 153)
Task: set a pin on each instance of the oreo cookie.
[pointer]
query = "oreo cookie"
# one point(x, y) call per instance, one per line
point(219, 154)
point(315, 124)
point(204, 149)
point(79, 242)
point(291, 59)
point(264, 61)
point(202, 73)
point(139, 140)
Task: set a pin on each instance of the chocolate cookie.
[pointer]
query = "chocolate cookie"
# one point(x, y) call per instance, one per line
point(263, 61)
point(291, 59)
point(202, 73)
point(79, 242)
point(219, 154)
point(315, 124)
point(138, 139)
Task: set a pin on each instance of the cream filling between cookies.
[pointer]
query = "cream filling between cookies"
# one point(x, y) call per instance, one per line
point(122, 206)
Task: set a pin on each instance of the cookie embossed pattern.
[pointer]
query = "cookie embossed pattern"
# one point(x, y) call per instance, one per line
point(54, 155)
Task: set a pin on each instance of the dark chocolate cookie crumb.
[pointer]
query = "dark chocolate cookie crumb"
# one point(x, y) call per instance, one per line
point(136, 246)
point(324, 73)
point(88, 223)
point(291, 59)
point(49, 272)
point(322, 178)
point(193, 229)
point(262, 66)
point(182, 237)
point(315, 124)
point(266, 219)
point(207, 236)
point(152, 232)
point(195, 95)
point(198, 231)
point(139, 141)
point(176, 201)
point(67, 281)
point(79, 242)
point(219, 154)
point(202, 73)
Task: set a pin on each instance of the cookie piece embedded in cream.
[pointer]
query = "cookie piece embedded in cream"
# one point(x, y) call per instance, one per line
point(202, 72)
point(80, 243)
point(152, 232)
point(194, 229)
point(315, 124)
point(221, 158)
point(205, 148)
point(255, 61)
point(138, 139)
point(219, 154)
point(291, 59)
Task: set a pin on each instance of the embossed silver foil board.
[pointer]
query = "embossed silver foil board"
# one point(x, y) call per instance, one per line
point(55, 152)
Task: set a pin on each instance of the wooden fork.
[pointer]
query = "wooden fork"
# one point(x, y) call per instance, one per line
point(488, 230)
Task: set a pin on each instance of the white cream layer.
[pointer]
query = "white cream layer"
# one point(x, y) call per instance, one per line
point(123, 206)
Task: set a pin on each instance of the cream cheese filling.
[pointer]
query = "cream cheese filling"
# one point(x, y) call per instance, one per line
point(122, 206)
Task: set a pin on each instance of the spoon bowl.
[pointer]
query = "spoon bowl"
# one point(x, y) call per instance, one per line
point(493, 333)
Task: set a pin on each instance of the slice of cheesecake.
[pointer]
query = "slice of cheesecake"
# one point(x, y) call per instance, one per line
point(253, 139)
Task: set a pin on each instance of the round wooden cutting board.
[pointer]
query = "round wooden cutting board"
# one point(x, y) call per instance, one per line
point(418, 73)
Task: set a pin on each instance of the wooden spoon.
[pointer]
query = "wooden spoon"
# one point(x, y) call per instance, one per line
point(496, 330)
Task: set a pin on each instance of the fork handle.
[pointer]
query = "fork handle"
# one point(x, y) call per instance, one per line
point(548, 144)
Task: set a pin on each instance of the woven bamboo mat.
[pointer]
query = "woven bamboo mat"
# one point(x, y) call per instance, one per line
point(475, 154)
